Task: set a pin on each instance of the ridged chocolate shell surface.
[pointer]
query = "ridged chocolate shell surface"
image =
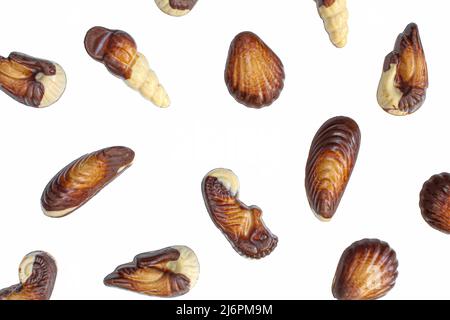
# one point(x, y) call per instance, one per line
point(254, 74)
point(116, 49)
point(367, 270)
point(37, 273)
point(242, 225)
point(332, 156)
point(79, 181)
point(168, 272)
point(404, 81)
point(435, 202)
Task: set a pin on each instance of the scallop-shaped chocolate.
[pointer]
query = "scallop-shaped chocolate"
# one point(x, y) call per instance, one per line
point(37, 274)
point(435, 202)
point(168, 272)
point(254, 74)
point(332, 156)
point(80, 180)
point(367, 270)
point(242, 225)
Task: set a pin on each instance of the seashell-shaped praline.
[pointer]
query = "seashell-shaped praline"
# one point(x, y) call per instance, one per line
point(334, 14)
point(435, 202)
point(404, 81)
point(254, 74)
point(31, 81)
point(242, 225)
point(176, 8)
point(82, 179)
point(367, 270)
point(168, 272)
point(37, 274)
point(330, 163)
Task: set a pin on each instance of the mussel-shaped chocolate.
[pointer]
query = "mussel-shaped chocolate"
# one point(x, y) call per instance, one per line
point(254, 74)
point(332, 156)
point(168, 272)
point(176, 8)
point(242, 225)
point(334, 14)
point(79, 181)
point(34, 82)
point(37, 274)
point(435, 202)
point(367, 270)
point(117, 50)
point(404, 81)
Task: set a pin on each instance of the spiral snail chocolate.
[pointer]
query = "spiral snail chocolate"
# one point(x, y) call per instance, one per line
point(254, 74)
point(334, 14)
point(31, 81)
point(82, 179)
point(117, 50)
point(176, 8)
point(242, 225)
point(330, 163)
point(37, 274)
point(404, 81)
point(367, 270)
point(168, 272)
point(435, 202)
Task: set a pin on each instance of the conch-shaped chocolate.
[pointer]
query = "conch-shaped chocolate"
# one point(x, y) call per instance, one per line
point(37, 274)
point(435, 202)
point(79, 181)
point(404, 81)
point(334, 14)
point(168, 272)
point(176, 8)
point(254, 74)
point(332, 156)
point(34, 82)
point(242, 225)
point(118, 52)
point(367, 270)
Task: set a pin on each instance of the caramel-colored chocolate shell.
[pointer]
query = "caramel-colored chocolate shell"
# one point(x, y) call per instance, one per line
point(242, 225)
point(156, 273)
point(330, 163)
point(83, 178)
point(367, 270)
point(254, 74)
point(39, 284)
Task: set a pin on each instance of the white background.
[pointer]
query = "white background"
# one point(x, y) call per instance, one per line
point(158, 201)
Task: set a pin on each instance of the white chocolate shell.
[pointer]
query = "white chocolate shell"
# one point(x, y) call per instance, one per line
point(335, 20)
point(144, 80)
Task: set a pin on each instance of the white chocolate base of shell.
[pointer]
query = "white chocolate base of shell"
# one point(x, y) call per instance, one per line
point(54, 86)
point(388, 95)
point(335, 20)
point(187, 264)
point(165, 7)
point(144, 80)
point(226, 177)
point(58, 213)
